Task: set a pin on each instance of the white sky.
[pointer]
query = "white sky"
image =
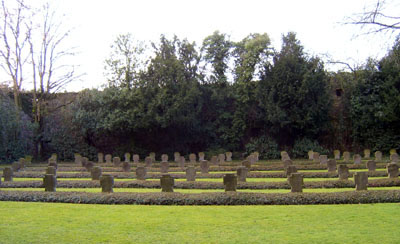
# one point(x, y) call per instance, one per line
point(316, 22)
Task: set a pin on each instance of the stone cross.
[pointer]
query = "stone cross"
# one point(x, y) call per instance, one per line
point(192, 158)
point(331, 166)
point(296, 182)
point(367, 153)
point(191, 173)
point(108, 158)
point(126, 167)
point(246, 164)
point(346, 156)
point(164, 165)
point(149, 161)
point(336, 154)
point(357, 158)
point(100, 157)
point(96, 173)
point(201, 156)
point(310, 155)
point(221, 158)
point(214, 160)
point(371, 165)
point(228, 156)
point(164, 158)
point(323, 159)
point(392, 170)
point(50, 182)
point(107, 183)
point(8, 174)
point(177, 157)
point(141, 173)
point(378, 156)
point(290, 169)
point(127, 157)
point(51, 170)
point(204, 166)
point(230, 182)
point(242, 173)
point(343, 172)
point(136, 158)
point(361, 181)
point(167, 183)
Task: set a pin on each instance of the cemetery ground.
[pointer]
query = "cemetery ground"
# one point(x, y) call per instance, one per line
point(328, 210)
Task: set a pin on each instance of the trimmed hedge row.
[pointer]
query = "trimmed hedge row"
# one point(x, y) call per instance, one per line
point(235, 198)
point(202, 184)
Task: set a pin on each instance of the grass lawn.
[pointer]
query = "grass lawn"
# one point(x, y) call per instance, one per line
point(73, 223)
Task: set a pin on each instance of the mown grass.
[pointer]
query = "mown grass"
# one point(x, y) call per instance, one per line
point(74, 223)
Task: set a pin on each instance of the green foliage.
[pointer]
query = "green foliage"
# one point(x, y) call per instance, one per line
point(302, 146)
point(265, 145)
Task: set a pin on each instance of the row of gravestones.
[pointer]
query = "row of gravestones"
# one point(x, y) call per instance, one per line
point(394, 157)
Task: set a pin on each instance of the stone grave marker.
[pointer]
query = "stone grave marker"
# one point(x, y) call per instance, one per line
point(141, 173)
point(392, 151)
point(256, 156)
point(100, 157)
point(84, 161)
point(108, 158)
point(50, 170)
point(286, 163)
point(201, 156)
point(246, 164)
point(378, 156)
point(153, 156)
point(242, 173)
point(148, 161)
point(336, 154)
point(343, 172)
point(191, 173)
point(367, 153)
point(394, 158)
point(116, 161)
point(127, 157)
point(21, 161)
point(214, 160)
point(89, 165)
point(371, 165)
point(323, 159)
point(96, 173)
point(50, 182)
point(228, 156)
point(136, 158)
point(164, 158)
point(316, 157)
point(331, 166)
point(310, 155)
point(16, 166)
point(357, 158)
point(251, 158)
point(204, 166)
point(361, 181)
point(192, 158)
point(221, 158)
point(182, 162)
point(346, 156)
point(284, 156)
point(164, 167)
point(296, 182)
point(78, 158)
point(107, 183)
point(177, 157)
point(8, 174)
point(53, 163)
point(392, 170)
point(290, 169)
point(167, 183)
point(126, 167)
point(230, 182)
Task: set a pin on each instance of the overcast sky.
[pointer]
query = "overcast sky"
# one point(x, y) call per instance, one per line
point(317, 24)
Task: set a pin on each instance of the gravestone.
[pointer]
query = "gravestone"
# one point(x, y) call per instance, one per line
point(296, 182)
point(164, 158)
point(316, 157)
point(167, 183)
point(8, 174)
point(367, 153)
point(204, 166)
point(221, 158)
point(190, 173)
point(100, 158)
point(392, 170)
point(242, 173)
point(336, 154)
point(343, 172)
point(78, 158)
point(230, 182)
point(192, 158)
point(214, 160)
point(96, 173)
point(21, 161)
point(50, 182)
point(164, 167)
point(53, 164)
point(378, 156)
point(290, 169)
point(108, 158)
point(201, 156)
point(153, 156)
point(246, 164)
point(126, 167)
point(84, 161)
point(177, 157)
point(286, 163)
point(361, 181)
point(357, 158)
point(116, 161)
point(16, 166)
point(136, 158)
point(285, 156)
point(50, 170)
point(228, 156)
point(394, 158)
point(182, 162)
point(310, 155)
point(127, 157)
point(346, 156)
point(392, 151)
point(331, 166)
point(256, 156)
point(89, 165)
point(148, 161)
point(251, 158)
point(54, 156)
point(141, 173)
point(323, 159)
point(371, 165)
point(107, 183)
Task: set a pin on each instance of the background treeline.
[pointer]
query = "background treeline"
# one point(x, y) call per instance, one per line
point(222, 96)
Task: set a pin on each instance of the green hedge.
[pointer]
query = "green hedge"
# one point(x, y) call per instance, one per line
point(381, 196)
